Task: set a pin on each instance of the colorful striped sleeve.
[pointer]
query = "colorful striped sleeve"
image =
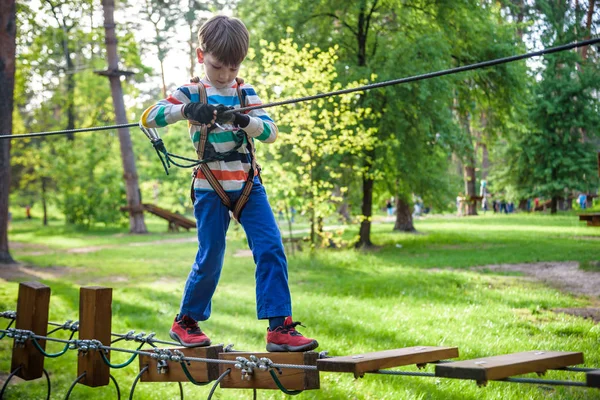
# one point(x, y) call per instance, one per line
point(167, 111)
point(261, 125)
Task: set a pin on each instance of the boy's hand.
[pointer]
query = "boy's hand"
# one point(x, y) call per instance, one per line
point(202, 113)
point(234, 118)
point(223, 118)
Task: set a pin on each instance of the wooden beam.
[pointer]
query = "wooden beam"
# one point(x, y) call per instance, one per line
point(33, 306)
point(504, 366)
point(95, 316)
point(291, 379)
point(201, 372)
point(369, 362)
point(593, 379)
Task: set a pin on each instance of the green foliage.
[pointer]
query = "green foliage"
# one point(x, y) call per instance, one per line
point(318, 139)
point(557, 156)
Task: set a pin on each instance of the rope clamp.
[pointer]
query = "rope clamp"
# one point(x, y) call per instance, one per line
point(21, 336)
point(162, 367)
point(8, 314)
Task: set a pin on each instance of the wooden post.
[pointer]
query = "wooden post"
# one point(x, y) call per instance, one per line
point(95, 317)
point(32, 315)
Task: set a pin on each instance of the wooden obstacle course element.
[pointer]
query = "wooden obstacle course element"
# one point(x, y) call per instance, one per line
point(507, 365)
point(201, 372)
point(593, 219)
point(33, 305)
point(593, 378)
point(176, 221)
point(370, 362)
point(95, 316)
point(291, 379)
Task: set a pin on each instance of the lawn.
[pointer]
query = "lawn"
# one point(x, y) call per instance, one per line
point(414, 289)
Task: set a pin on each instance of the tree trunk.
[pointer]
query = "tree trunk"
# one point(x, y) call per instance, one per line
point(136, 215)
point(364, 236)
point(162, 77)
point(470, 189)
point(8, 32)
point(485, 161)
point(523, 205)
point(44, 205)
point(588, 28)
point(554, 205)
point(70, 83)
point(404, 221)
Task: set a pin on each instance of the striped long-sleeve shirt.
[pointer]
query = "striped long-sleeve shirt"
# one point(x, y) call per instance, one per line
point(232, 172)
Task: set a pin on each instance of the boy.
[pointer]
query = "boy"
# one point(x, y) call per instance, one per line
point(218, 185)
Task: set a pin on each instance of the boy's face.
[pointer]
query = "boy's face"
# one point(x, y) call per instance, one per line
point(218, 74)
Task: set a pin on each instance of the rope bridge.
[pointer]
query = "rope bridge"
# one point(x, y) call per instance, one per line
point(291, 373)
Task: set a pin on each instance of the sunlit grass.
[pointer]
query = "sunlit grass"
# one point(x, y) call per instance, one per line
point(411, 290)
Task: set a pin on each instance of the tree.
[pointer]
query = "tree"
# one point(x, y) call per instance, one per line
point(136, 215)
point(162, 14)
point(8, 32)
point(317, 136)
point(555, 158)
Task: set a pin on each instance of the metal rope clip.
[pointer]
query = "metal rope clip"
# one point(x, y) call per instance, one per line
point(140, 337)
point(75, 326)
point(21, 336)
point(162, 367)
point(228, 348)
point(8, 314)
point(150, 339)
point(129, 335)
point(177, 356)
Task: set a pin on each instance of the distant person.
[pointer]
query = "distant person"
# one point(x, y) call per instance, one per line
point(28, 211)
point(582, 199)
point(459, 205)
point(218, 185)
point(390, 208)
point(536, 203)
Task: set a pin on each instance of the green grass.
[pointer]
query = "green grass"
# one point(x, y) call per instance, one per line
point(413, 290)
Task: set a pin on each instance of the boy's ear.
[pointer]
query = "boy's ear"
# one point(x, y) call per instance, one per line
point(200, 55)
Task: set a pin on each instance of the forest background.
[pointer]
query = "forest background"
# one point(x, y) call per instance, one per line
point(529, 130)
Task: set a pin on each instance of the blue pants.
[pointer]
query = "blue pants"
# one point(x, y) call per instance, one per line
point(272, 291)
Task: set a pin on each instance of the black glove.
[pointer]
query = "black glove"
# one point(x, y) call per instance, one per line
point(223, 118)
point(235, 118)
point(202, 113)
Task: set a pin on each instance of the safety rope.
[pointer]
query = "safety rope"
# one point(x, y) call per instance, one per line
point(415, 78)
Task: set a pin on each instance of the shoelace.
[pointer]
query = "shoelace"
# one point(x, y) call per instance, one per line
point(291, 328)
point(191, 326)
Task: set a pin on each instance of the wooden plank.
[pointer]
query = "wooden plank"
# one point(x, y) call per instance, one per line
point(95, 316)
point(507, 365)
point(593, 379)
point(368, 362)
point(291, 379)
point(201, 372)
point(32, 314)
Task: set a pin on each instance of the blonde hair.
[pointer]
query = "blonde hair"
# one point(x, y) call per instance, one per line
point(224, 38)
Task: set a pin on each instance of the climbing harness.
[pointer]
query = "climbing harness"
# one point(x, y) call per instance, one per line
point(237, 206)
point(201, 166)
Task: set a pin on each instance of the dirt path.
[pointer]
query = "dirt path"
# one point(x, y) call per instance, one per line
point(566, 276)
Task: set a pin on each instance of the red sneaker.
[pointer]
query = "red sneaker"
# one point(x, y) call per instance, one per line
point(287, 338)
point(187, 332)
